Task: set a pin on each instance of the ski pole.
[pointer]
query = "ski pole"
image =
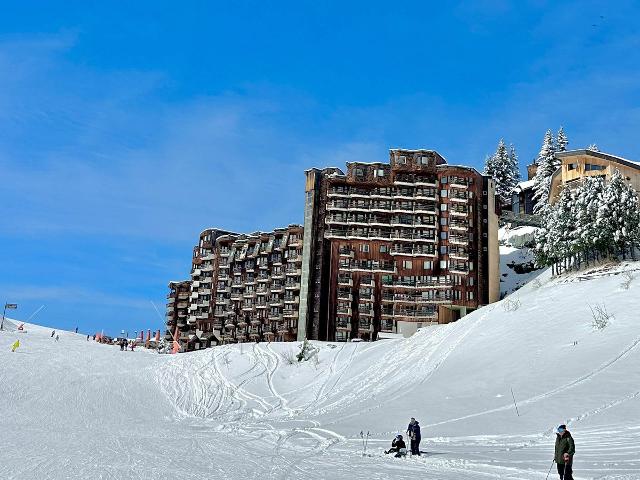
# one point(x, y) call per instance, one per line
point(552, 462)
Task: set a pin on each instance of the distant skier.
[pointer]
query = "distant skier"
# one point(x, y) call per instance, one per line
point(565, 448)
point(398, 447)
point(53, 333)
point(57, 338)
point(76, 329)
point(15, 346)
point(87, 338)
point(413, 430)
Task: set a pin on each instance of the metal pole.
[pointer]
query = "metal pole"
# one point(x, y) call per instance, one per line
point(552, 462)
point(514, 401)
point(3, 312)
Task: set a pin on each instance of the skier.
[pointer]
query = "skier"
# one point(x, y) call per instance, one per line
point(57, 338)
point(565, 448)
point(76, 329)
point(413, 430)
point(398, 447)
point(87, 338)
point(15, 346)
point(53, 333)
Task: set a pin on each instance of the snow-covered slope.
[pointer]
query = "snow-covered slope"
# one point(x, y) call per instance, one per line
point(517, 261)
point(76, 409)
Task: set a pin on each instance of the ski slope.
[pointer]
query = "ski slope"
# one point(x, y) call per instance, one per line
point(75, 409)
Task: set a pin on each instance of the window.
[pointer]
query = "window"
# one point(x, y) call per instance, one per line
point(384, 249)
point(443, 180)
point(407, 264)
point(359, 172)
point(471, 281)
point(591, 167)
point(484, 249)
point(402, 160)
point(470, 265)
point(443, 249)
point(444, 193)
point(469, 295)
point(443, 206)
point(428, 265)
point(572, 166)
point(378, 172)
point(364, 248)
point(443, 264)
point(443, 235)
point(484, 192)
point(424, 160)
point(443, 221)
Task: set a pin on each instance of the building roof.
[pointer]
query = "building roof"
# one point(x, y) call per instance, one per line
point(522, 186)
point(602, 155)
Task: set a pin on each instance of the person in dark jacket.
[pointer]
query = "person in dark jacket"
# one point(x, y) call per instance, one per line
point(398, 447)
point(565, 448)
point(413, 430)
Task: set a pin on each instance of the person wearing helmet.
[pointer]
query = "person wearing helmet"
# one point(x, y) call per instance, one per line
point(398, 447)
point(564, 450)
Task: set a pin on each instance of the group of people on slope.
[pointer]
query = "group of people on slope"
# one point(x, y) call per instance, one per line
point(398, 445)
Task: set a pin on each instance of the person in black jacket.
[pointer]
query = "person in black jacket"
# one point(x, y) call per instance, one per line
point(398, 447)
point(413, 430)
point(564, 450)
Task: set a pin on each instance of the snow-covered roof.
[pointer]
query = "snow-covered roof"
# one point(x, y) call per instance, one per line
point(521, 186)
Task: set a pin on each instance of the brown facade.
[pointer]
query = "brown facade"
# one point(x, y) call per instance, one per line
point(177, 313)
point(392, 247)
point(256, 286)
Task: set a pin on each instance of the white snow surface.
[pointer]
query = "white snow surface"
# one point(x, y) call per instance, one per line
point(76, 410)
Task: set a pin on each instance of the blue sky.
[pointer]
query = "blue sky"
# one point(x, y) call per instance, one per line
point(126, 128)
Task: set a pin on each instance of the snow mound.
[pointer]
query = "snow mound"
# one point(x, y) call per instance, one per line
point(78, 409)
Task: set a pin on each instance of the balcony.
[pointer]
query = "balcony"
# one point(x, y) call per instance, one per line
point(196, 272)
point(277, 275)
point(229, 325)
point(194, 295)
point(206, 280)
point(207, 268)
point(236, 297)
point(343, 311)
point(261, 305)
point(458, 198)
point(224, 252)
point(458, 213)
point(366, 312)
point(459, 186)
point(276, 289)
point(345, 281)
point(290, 313)
point(458, 240)
point(459, 255)
point(294, 273)
point(183, 295)
point(275, 317)
point(347, 297)
point(292, 300)
point(223, 277)
point(276, 303)
point(248, 308)
point(264, 278)
point(291, 286)
point(459, 226)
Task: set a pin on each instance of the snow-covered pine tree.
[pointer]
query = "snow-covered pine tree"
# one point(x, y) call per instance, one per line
point(618, 217)
point(593, 147)
point(500, 167)
point(547, 164)
point(561, 141)
point(589, 197)
point(514, 166)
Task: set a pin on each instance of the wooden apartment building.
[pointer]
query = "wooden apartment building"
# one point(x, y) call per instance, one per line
point(390, 247)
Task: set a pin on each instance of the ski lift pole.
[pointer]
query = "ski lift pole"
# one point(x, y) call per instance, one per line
point(514, 401)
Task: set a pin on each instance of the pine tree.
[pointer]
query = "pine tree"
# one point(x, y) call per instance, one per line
point(618, 218)
point(502, 166)
point(589, 198)
point(547, 165)
point(561, 141)
point(593, 147)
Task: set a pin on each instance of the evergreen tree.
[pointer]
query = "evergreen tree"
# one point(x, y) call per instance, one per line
point(561, 141)
point(502, 166)
point(547, 164)
point(589, 197)
point(593, 147)
point(618, 217)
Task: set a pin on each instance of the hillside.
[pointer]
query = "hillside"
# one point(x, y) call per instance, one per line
point(76, 409)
